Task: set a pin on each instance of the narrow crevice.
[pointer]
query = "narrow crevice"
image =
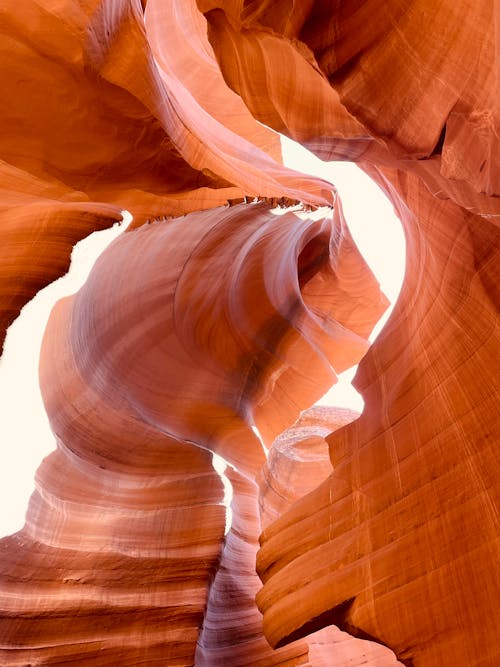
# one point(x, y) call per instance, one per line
point(438, 148)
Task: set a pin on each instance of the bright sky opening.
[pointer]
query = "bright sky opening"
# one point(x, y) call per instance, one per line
point(377, 232)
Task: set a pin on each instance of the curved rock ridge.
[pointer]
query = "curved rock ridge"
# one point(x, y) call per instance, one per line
point(116, 116)
point(298, 462)
point(40, 222)
point(410, 84)
point(403, 536)
point(211, 333)
point(186, 334)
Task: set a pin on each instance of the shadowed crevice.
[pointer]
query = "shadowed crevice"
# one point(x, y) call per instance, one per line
point(339, 616)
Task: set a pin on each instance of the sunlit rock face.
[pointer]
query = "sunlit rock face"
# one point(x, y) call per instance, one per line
point(102, 113)
point(213, 331)
point(404, 530)
point(223, 320)
point(403, 536)
point(298, 460)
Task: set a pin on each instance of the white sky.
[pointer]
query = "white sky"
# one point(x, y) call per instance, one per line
point(375, 229)
point(25, 437)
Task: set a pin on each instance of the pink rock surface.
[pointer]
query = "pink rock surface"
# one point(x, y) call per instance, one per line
point(214, 327)
point(97, 111)
point(191, 331)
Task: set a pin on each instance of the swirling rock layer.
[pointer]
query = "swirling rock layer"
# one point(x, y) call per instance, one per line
point(410, 506)
point(403, 537)
point(298, 460)
point(212, 333)
point(297, 463)
point(115, 114)
point(144, 375)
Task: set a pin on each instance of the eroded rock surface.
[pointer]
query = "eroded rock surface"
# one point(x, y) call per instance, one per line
point(101, 109)
point(403, 537)
point(223, 320)
point(191, 331)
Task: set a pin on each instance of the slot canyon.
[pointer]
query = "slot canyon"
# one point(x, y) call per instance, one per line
point(214, 322)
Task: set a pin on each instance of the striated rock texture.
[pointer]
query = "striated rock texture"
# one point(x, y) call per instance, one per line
point(224, 320)
point(102, 114)
point(403, 536)
point(297, 463)
point(212, 332)
point(298, 460)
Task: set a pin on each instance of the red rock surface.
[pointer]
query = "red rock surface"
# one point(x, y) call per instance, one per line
point(189, 332)
point(297, 463)
point(220, 322)
point(99, 110)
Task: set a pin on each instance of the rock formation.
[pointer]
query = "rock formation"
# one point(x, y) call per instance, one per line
point(219, 323)
point(101, 116)
point(212, 332)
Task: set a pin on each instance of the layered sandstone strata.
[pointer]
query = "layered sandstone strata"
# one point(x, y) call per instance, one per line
point(403, 536)
point(187, 334)
point(160, 360)
point(101, 113)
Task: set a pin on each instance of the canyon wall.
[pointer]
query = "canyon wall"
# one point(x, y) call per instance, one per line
point(213, 332)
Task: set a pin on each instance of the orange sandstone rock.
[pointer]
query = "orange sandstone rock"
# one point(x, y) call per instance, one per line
point(214, 326)
point(403, 536)
point(190, 332)
point(100, 109)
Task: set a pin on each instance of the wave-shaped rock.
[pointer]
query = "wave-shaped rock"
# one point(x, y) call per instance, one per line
point(186, 334)
point(96, 109)
point(190, 332)
point(402, 538)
